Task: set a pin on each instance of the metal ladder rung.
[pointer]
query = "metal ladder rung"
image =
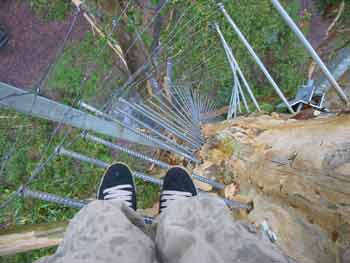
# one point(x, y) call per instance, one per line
point(141, 156)
point(51, 198)
point(102, 164)
point(147, 178)
point(147, 137)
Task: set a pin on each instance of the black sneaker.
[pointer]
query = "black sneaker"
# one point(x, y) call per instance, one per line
point(3, 37)
point(118, 184)
point(177, 184)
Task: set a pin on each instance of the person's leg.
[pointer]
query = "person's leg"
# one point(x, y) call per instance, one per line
point(107, 230)
point(201, 229)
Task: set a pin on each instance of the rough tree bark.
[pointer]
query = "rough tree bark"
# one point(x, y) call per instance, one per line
point(140, 53)
point(297, 173)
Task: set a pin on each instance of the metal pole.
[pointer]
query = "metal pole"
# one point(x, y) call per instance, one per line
point(155, 141)
point(310, 49)
point(74, 203)
point(234, 71)
point(243, 97)
point(126, 150)
point(169, 71)
point(235, 104)
point(145, 125)
point(184, 118)
point(147, 178)
point(181, 101)
point(146, 111)
point(171, 113)
point(187, 126)
point(255, 57)
point(245, 82)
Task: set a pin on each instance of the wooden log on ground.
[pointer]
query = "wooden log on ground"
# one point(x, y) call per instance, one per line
point(31, 237)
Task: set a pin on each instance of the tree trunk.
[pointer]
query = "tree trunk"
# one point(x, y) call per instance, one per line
point(297, 172)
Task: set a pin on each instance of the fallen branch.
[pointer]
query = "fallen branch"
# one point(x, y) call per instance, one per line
point(114, 46)
point(343, 30)
point(313, 65)
point(340, 12)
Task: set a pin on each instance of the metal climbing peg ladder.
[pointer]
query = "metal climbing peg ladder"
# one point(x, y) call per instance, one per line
point(169, 120)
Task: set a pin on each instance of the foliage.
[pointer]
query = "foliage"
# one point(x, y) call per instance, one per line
point(86, 71)
point(28, 257)
point(81, 70)
point(30, 138)
point(271, 38)
point(266, 107)
point(324, 3)
point(51, 9)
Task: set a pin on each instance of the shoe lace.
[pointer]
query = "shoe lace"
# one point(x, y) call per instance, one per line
point(171, 195)
point(119, 192)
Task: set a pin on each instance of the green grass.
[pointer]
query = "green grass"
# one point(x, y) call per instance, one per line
point(63, 176)
point(266, 31)
point(28, 257)
point(90, 59)
point(51, 10)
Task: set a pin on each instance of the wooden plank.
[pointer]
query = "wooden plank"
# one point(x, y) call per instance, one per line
point(31, 237)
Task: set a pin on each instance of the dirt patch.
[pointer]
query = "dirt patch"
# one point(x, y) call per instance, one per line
point(318, 25)
point(33, 43)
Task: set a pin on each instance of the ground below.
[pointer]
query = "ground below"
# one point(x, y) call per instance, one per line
point(33, 43)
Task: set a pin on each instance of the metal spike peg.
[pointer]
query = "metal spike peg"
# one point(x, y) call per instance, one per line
point(27, 193)
point(51, 198)
point(162, 136)
point(102, 164)
point(211, 182)
point(161, 121)
point(156, 141)
point(146, 158)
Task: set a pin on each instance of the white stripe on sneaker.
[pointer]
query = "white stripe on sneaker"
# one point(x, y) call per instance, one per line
point(168, 196)
point(119, 192)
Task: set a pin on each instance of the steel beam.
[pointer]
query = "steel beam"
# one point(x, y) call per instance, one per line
point(41, 107)
point(310, 49)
